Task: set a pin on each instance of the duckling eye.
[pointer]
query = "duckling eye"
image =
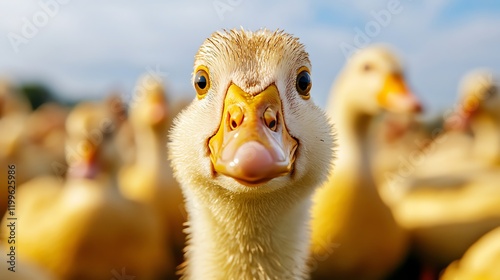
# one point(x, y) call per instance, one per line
point(367, 67)
point(107, 135)
point(201, 83)
point(304, 84)
point(492, 91)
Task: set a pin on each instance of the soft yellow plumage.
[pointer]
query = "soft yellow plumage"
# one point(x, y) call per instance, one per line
point(83, 228)
point(247, 221)
point(354, 235)
point(480, 261)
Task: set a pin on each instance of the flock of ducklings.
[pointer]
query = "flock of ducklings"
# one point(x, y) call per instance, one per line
point(256, 181)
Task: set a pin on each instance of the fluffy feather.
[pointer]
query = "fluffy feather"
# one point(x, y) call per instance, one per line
point(236, 231)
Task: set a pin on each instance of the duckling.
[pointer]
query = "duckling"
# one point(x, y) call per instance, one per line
point(149, 179)
point(354, 234)
point(478, 115)
point(470, 139)
point(480, 261)
point(33, 143)
point(446, 214)
point(12, 102)
point(248, 152)
point(450, 199)
point(89, 230)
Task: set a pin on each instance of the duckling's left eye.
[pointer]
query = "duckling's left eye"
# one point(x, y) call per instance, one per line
point(367, 67)
point(492, 91)
point(304, 84)
point(201, 83)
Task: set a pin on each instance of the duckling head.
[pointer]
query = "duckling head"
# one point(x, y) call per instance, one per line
point(252, 127)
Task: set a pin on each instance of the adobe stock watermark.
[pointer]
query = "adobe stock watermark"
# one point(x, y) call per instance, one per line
point(121, 276)
point(372, 28)
point(222, 7)
point(321, 253)
point(31, 26)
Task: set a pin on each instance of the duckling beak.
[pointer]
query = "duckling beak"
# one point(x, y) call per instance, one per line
point(252, 144)
point(157, 107)
point(152, 111)
point(158, 114)
point(83, 164)
point(395, 96)
point(461, 121)
point(471, 104)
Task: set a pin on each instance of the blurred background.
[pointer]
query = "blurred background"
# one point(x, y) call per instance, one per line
point(84, 50)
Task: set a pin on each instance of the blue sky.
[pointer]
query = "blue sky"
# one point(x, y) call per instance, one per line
point(84, 49)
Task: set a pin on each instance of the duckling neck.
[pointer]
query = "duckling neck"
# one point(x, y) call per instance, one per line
point(352, 128)
point(238, 237)
point(486, 131)
point(151, 150)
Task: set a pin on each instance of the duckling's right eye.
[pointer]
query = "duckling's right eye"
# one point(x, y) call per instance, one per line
point(201, 83)
point(367, 67)
point(492, 91)
point(304, 84)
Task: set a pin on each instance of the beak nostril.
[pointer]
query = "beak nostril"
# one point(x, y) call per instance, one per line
point(271, 119)
point(234, 125)
point(235, 117)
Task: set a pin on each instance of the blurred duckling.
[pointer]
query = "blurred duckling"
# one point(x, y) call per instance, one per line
point(354, 235)
point(447, 214)
point(89, 230)
point(12, 102)
point(394, 138)
point(480, 261)
point(471, 136)
point(149, 179)
point(124, 136)
point(450, 198)
point(479, 115)
point(34, 143)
